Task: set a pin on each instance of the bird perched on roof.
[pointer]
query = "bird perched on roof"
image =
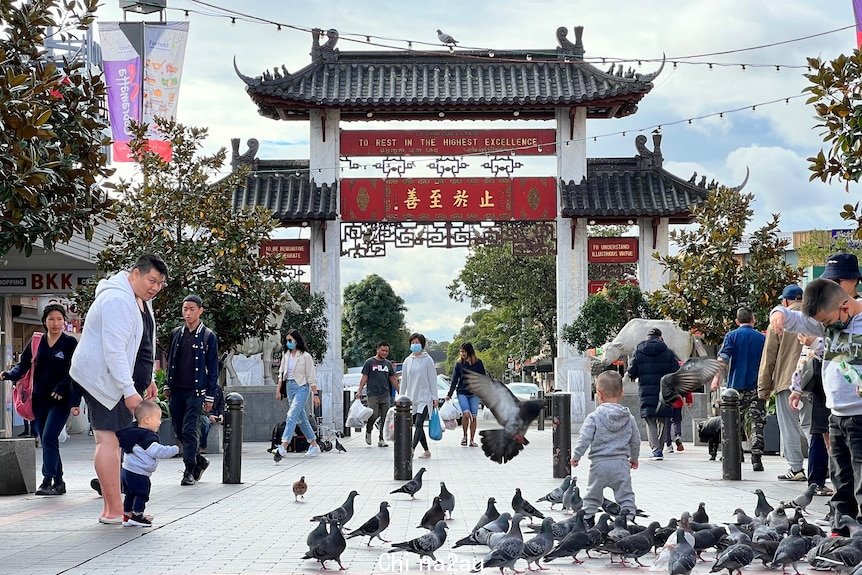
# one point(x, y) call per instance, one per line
point(447, 500)
point(413, 486)
point(502, 445)
point(694, 373)
point(433, 515)
point(340, 515)
point(299, 488)
point(330, 549)
point(446, 39)
point(425, 545)
point(524, 507)
point(374, 526)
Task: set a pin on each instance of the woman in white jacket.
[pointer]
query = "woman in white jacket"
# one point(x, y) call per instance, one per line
point(297, 379)
point(419, 383)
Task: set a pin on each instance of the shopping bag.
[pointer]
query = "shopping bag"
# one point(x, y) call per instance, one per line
point(450, 410)
point(22, 393)
point(451, 424)
point(358, 414)
point(389, 425)
point(64, 435)
point(435, 426)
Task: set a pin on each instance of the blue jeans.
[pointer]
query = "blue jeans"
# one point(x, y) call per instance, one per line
point(137, 490)
point(298, 397)
point(818, 459)
point(48, 425)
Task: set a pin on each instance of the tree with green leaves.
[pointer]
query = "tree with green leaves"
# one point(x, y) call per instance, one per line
point(182, 213)
point(372, 312)
point(54, 129)
point(605, 313)
point(493, 345)
point(821, 244)
point(523, 285)
point(709, 280)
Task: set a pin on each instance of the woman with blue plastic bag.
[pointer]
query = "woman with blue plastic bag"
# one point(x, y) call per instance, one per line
point(419, 383)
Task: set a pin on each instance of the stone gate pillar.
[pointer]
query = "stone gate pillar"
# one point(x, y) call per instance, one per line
point(653, 238)
point(571, 369)
point(325, 260)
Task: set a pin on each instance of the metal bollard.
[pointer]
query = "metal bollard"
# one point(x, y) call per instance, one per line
point(561, 413)
point(347, 402)
point(540, 425)
point(403, 438)
point(731, 442)
point(232, 447)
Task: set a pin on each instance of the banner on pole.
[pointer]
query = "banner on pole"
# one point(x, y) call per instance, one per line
point(122, 67)
point(164, 52)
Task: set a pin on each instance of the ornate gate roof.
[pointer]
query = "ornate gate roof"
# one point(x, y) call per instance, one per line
point(456, 84)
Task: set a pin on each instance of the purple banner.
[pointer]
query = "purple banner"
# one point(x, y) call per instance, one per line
point(122, 68)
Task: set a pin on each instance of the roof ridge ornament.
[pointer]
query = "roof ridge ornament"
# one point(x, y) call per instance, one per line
point(647, 159)
point(249, 81)
point(326, 52)
point(566, 48)
point(744, 181)
point(652, 76)
point(249, 157)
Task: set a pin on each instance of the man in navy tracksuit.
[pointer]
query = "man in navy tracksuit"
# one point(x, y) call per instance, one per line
point(192, 379)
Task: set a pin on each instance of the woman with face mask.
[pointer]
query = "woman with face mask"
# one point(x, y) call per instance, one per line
point(297, 379)
point(419, 383)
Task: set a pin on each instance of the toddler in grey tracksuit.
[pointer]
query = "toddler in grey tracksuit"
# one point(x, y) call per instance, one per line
point(612, 436)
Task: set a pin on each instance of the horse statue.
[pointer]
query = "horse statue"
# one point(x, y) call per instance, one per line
point(268, 342)
point(635, 331)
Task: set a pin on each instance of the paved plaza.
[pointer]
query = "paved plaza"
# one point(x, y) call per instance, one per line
point(257, 528)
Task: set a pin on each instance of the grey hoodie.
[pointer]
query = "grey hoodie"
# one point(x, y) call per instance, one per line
point(610, 432)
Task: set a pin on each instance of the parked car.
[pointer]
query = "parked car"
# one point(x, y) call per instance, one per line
point(524, 391)
point(351, 383)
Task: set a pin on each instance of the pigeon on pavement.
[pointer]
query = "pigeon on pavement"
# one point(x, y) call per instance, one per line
point(694, 373)
point(425, 545)
point(682, 557)
point(763, 508)
point(490, 514)
point(700, 516)
point(804, 499)
point(330, 549)
point(339, 447)
point(413, 486)
point(741, 517)
point(734, 558)
point(632, 547)
point(340, 515)
point(299, 488)
point(480, 536)
point(538, 547)
point(446, 38)
point(566, 499)
point(556, 495)
point(507, 550)
point(433, 515)
point(447, 500)
point(374, 526)
point(514, 529)
point(790, 550)
point(317, 535)
point(502, 445)
point(524, 507)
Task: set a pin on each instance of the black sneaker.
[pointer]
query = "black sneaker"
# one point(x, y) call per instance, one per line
point(201, 466)
point(368, 437)
point(187, 479)
point(756, 463)
point(46, 488)
point(97, 487)
point(138, 520)
point(60, 487)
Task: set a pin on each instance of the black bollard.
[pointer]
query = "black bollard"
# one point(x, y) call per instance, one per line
point(348, 401)
point(403, 438)
point(232, 447)
point(731, 441)
point(540, 424)
point(561, 413)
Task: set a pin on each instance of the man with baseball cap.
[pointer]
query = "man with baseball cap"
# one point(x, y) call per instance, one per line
point(843, 269)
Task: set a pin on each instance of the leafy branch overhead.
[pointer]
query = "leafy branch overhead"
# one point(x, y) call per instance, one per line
point(605, 313)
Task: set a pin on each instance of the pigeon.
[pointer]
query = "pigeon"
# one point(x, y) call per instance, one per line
point(614, 508)
point(741, 517)
point(507, 551)
point(700, 516)
point(425, 545)
point(433, 515)
point(707, 538)
point(764, 550)
point(340, 515)
point(331, 548)
point(447, 500)
point(514, 529)
point(632, 547)
point(790, 550)
point(734, 558)
point(480, 536)
point(777, 518)
point(839, 559)
point(575, 501)
point(413, 486)
point(374, 526)
point(803, 500)
point(570, 546)
point(566, 499)
point(556, 495)
point(809, 529)
point(339, 447)
point(490, 514)
point(446, 39)
point(538, 547)
point(317, 535)
point(662, 534)
point(682, 557)
point(694, 373)
point(502, 445)
point(299, 488)
point(524, 507)
point(763, 508)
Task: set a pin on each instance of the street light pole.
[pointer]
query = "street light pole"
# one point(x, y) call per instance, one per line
point(523, 357)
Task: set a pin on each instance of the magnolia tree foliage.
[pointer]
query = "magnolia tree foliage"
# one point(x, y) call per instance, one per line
point(53, 129)
point(605, 313)
point(709, 280)
point(371, 313)
point(183, 214)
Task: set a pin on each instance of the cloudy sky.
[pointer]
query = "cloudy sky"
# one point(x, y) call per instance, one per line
point(773, 141)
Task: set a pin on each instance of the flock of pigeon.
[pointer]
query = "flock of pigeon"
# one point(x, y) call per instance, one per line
point(778, 537)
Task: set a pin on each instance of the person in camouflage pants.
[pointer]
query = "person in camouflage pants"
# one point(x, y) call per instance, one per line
point(752, 410)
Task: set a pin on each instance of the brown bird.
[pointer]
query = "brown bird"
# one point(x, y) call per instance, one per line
point(299, 488)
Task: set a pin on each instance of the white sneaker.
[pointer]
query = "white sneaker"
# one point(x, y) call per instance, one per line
point(313, 451)
point(281, 450)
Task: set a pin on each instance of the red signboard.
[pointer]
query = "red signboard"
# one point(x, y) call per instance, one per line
point(448, 199)
point(612, 250)
point(522, 142)
point(294, 252)
point(595, 286)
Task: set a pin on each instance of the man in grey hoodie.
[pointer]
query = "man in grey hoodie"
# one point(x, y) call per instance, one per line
point(612, 436)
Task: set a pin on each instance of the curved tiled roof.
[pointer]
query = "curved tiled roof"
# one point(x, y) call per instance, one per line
point(291, 198)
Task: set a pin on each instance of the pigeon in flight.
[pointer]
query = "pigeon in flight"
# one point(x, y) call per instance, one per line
point(694, 373)
point(374, 526)
point(426, 545)
point(340, 515)
point(299, 488)
point(413, 486)
point(446, 38)
point(502, 445)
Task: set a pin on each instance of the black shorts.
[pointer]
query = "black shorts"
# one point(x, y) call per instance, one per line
point(104, 419)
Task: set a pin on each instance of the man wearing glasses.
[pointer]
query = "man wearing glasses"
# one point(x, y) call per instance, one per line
point(828, 312)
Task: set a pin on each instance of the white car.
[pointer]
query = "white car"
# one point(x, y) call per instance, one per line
point(524, 391)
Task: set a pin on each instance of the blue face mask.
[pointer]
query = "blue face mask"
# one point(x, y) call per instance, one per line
point(415, 347)
point(291, 345)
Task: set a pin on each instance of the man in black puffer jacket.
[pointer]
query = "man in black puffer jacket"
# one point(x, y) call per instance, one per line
point(653, 359)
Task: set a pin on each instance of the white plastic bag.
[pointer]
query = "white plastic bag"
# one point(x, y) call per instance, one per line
point(64, 435)
point(389, 425)
point(358, 414)
point(451, 424)
point(450, 410)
